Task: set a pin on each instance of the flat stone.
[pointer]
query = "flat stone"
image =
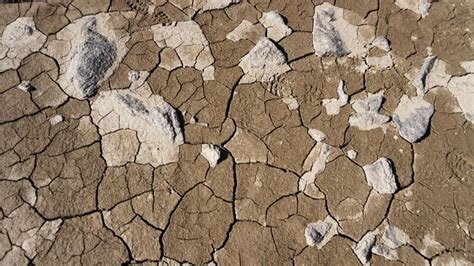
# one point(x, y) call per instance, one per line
point(412, 117)
point(381, 177)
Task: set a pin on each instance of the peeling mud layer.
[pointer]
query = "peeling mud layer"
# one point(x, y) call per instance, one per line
point(227, 132)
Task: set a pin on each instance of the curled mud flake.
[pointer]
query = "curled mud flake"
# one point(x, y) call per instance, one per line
point(276, 27)
point(412, 117)
point(326, 39)
point(381, 177)
point(463, 89)
point(212, 154)
point(19, 39)
point(367, 116)
point(56, 119)
point(393, 237)
point(263, 63)
point(363, 249)
point(333, 106)
point(420, 80)
point(244, 31)
point(320, 233)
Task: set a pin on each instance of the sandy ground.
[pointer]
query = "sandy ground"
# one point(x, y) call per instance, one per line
point(253, 132)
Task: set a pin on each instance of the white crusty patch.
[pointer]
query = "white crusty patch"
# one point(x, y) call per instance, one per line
point(463, 89)
point(88, 50)
point(306, 183)
point(317, 135)
point(211, 153)
point(56, 119)
point(333, 106)
point(367, 115)
point(412, 117)
point(188, 41)
point(335, 36)
point(263, 63)
point(156, 122)
point(393, 237)
point(276, 27)
point(191, 7)
point(419, 81)
point(320, 233)
point(380, 176)
point(19, 39)
point(421, 7)
point(352, 154)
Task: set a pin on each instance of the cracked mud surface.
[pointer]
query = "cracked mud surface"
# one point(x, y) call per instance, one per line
point(252, 132)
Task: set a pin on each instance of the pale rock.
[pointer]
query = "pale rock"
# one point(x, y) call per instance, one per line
point(333, 106)
point(380, 176)
point(431, 247)
point(208, 73)
point(317, 135)
point(263, 63)
point(363, 249)
point(247, 148)
point(335, 36)
point(276, 27)
point(211, 153)
point(419, 81)
point(320, 233)
point(156, 123)
point(437, 76)
point(56, 119)
point(25, 86)
point(133, 75)
point(352, 154)
point(367, 116)
point(19, 39)
point(421, 7)
point(412, 117)
point(188, 42)
point(191, 7)
point(463, 89)
point(88, 51)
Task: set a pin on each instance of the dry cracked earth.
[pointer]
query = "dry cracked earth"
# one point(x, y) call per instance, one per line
point(227, 132)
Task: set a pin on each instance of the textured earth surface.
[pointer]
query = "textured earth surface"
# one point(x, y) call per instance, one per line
point(253, 132)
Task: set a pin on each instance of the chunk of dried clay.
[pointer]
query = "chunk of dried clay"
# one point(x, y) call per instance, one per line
point(263, 63)
point(276, 27)
point(384, 251)
point(88, 50)
point(188, 42)
point(213, 4)
point(421, 7)
point(306, 183)
point(25, 86)
point(380, 176)
point(320, 233)
point(412, 117)
point(243, 31)
point(335, 36)
point(157, 125)
point(333, 106)
point(245, 147)
point(363, 249)
point(463, 89)
point(420, 79)
point(56, 119)
point(367, 115)
point(19, 39)
point(317, 135)
point(212, 154)
point(352, 154)
point(381, 43)
point(393, 237)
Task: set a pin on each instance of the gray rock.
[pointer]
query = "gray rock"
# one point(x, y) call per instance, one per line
point(412, 117)
point(326, 39)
